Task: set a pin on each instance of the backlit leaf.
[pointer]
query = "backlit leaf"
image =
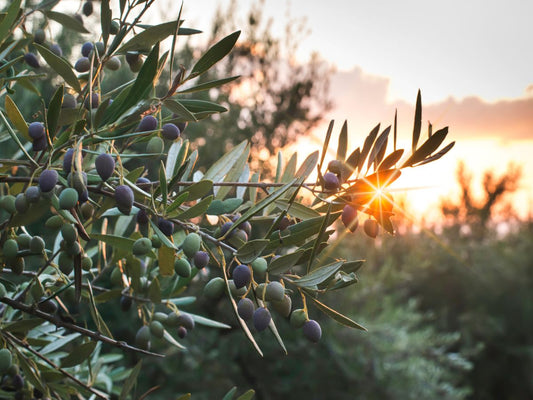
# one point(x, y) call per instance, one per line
point(61, 66)
point(67, 21)
point(217, 52)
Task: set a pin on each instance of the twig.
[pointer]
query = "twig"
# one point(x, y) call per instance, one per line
point(12, 338)
point(57, 322)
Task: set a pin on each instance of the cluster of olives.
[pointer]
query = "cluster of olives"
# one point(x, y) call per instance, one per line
point(156, 327)
point(270, 295)
point(12, 381)
point(332, 180)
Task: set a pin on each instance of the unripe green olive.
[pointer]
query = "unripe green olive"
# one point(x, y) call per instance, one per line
point(157, 329)
point(298, 318)
point(54, 222)
point(10, 248)
point(259, 266)
point(214, 289)
point(275, 291)
point(142, 246)
point(68, 198)
point(191, 244)
point(182, 267)
point(142, 338)
point(283, 307)
point(5, 360)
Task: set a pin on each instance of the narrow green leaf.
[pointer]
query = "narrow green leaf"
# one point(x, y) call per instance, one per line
point(169, 338)
point(199, 106)
point(22, 326)
point(217, 52)
point(143, 41)
point(31, 371)
point(129, 383)
point(307, 166)
point(60, 66)
point(248, 395)
point(208, 85)
point(299, 232)
point(58, 343)
point(154, 291)
point(352, 162)
point(369, 141)
point(279, 167)
point(230, 394)
point(429, 146)
point(284, 263)
point(223, 165)
point(166, 256)
point(16, 118)
point(343, 142)
point(208, 322)
point(352, 266)
point(15, 138)
point(378, 146)
point(171, 164)
point(78, 355)
point(391, 160)
point(184, 397)
point(163, 184)
point(325, 145)
point(199, 189)
point(319, 275)
point(105, 20)
point(251, 250)
point(115, 241)
point(337, 316)
point(233, 174)
point(67, 21)
point(176, 107)
point(139, 90)
point(198, 209)
point(318, 239)
point(9, 18)
point(439, 154)
point(262, 204)
point(95, 314)
point(178, 201)
point(417, 125)
point(297, 210)
point(290, 169)
point(54, 108)
point(164, 239)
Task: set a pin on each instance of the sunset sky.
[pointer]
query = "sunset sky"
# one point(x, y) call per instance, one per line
point(472, 60)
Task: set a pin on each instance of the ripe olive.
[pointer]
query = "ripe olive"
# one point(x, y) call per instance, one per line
point(349, 217)
point(148, 123)
point(124, 199)
point(245, 308)
point(331, 182)
point(371, 228)
point(312, 331)
point(241, 276)
point(214, 289)
point(48, 180)
point(31, 60)
point(170, 131)
point(36, 130)
point(261, 319)
point(201, 259)
point(105, 166)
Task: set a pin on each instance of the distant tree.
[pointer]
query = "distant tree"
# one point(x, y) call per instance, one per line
point(476, 213)
point(276, 98)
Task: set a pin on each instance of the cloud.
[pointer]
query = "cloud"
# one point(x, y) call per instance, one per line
point(362, 98)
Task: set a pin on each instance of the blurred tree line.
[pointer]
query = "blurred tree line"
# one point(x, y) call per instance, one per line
point(449, 316)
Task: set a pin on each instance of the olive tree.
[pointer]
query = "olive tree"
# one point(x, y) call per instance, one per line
point(103, 208)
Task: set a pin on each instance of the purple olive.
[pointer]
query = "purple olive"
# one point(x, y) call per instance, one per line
point(331, 182)
point(48, 180)
point(245, 308)
point(148, 123)
point(36, 130)
point(170, 131)
point(201, 259)
point(124, 199)
point(261, 319)
point(241, 276)
point(105, 166)
point(86, 49)
point(349, 217)
point(312, 331)
point(31, 60)
point(166, 226)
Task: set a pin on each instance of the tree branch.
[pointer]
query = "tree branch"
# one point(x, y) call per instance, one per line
point(57, 322)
